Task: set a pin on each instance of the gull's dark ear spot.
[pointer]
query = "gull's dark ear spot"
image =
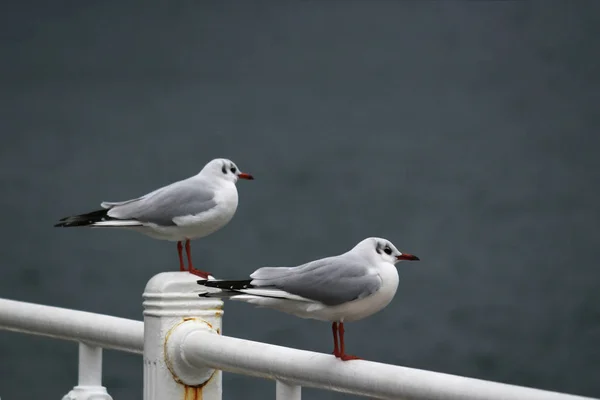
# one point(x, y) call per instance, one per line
point(224, 169)
point(378, 248)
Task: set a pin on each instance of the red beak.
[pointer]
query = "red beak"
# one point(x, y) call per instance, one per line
point(408, 257)
point(243, 175)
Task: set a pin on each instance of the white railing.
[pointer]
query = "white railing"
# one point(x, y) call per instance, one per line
point(184, 354)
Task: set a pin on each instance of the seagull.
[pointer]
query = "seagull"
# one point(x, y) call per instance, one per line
point(188, 209)
point(338, 289)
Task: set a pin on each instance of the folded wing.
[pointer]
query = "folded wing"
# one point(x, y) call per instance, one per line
point(160, 207)
point(331, 281)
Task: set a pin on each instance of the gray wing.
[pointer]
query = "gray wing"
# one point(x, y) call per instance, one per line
point(331, 281)
point(187, 197)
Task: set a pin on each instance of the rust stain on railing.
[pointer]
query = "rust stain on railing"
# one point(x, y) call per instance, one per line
point(195, 319)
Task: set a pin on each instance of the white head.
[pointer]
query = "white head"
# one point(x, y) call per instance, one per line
point(379, 249)
point(222, 168)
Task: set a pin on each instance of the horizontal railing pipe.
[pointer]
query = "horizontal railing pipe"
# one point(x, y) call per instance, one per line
point(96, 329)
point(376, 380)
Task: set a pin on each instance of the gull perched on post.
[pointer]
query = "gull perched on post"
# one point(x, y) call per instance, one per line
point(339, 289)
point(188, 209)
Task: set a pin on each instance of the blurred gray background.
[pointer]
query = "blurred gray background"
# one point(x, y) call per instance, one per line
point(464, 132)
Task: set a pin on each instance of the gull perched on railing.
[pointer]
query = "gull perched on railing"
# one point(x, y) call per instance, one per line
point(188, 209)
point(339, 289)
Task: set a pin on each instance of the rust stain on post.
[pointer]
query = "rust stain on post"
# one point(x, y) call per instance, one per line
point(165, 352)
point(192, 393)
point(195, 392)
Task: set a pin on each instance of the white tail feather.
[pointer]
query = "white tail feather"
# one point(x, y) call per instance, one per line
point(113, 224)
point(280, 294)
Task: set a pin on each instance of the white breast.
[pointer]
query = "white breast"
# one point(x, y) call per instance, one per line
point(361, 308)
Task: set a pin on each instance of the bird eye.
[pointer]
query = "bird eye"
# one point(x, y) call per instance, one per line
point(233, 169)
point(387, 250)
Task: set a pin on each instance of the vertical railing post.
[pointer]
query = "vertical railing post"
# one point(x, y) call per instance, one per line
point(170, 300)
point(89, 386)
point(286, 391)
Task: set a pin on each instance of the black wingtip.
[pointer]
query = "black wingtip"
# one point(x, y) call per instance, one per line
point(62, 223)
point(227, 285)
point(83, 219)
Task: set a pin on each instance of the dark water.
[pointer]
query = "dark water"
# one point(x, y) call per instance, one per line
point(465, 132)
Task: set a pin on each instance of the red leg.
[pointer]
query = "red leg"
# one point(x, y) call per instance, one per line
point(191, 269)
point(336, 349)
point(179, 251)
point(343, 356)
